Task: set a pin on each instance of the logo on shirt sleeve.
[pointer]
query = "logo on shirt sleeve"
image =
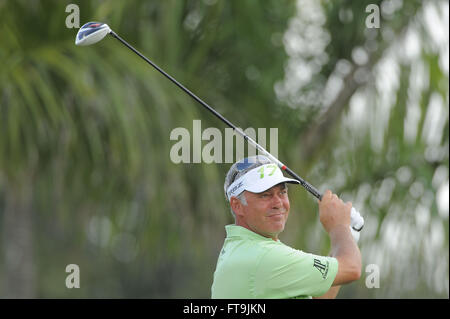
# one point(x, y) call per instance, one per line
point(323, 268)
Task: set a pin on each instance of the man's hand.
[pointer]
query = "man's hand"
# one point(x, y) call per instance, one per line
point(333, 211)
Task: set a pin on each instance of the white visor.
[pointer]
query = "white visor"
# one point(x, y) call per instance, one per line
point(259, 180)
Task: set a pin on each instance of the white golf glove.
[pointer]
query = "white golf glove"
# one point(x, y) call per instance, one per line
point(356, 223)
point(355, 234)
point(356, 220)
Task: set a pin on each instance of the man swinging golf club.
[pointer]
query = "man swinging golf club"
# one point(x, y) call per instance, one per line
point(253, 263)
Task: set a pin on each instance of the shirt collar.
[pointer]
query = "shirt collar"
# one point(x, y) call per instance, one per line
point(239, 231)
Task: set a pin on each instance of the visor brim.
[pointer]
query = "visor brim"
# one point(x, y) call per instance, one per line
point(262, 187)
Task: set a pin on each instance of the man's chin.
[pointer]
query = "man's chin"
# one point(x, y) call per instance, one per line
point(278, 222)
point(277, 228)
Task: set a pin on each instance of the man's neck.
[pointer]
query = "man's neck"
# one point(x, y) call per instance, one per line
point(245, 225)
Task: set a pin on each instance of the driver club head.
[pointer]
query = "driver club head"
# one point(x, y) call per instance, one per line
point(91, 33)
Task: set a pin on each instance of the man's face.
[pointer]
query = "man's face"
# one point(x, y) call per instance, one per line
point(265, 213)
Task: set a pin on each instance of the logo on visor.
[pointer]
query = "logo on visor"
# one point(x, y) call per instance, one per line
point(235, 188)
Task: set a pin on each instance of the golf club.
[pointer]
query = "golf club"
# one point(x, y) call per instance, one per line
point(93, 32)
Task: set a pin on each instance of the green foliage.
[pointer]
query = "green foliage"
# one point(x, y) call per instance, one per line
point(84, 140)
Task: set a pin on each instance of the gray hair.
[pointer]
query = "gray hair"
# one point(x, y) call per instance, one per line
point(234, 173)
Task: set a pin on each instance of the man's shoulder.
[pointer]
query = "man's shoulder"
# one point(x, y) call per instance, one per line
point(266, 245)
point(278, 252)
point(244, 251)
point(251, 246)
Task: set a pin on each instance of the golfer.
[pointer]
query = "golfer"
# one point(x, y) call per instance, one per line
point(254, 263)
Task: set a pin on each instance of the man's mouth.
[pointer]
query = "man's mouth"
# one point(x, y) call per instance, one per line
point(276, 214)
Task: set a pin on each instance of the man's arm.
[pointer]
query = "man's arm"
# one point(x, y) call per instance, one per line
point(345, 250)
point(330, 294)
point(347, 271)
point(348, 267)
point(335, 217)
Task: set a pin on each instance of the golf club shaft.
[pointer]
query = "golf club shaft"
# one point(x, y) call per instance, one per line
point(304, 183)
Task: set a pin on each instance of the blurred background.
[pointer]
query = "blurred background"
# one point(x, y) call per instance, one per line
point(85, 172)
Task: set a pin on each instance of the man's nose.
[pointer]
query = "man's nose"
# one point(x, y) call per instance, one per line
point(277, 201)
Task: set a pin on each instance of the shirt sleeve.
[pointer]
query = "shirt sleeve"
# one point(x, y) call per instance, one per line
point(284, 272)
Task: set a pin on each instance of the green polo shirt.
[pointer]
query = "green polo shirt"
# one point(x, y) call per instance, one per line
point(253, 266)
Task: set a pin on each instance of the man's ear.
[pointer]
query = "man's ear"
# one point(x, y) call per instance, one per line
point(236, 205)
